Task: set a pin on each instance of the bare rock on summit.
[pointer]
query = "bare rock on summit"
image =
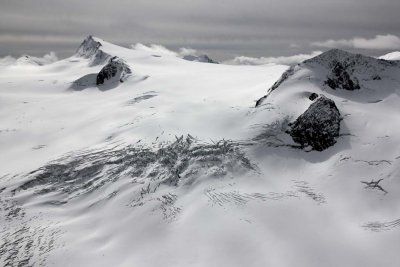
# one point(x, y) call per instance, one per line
point(349, 71)
point(341, 79)
point(114, 72)
point(318, 126)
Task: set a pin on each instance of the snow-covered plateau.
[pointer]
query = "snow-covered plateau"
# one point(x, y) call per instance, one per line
point(125, 157)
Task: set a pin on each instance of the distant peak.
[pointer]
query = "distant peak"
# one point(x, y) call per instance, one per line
point(90, 49)
point(26, 59)
point(202, 58)
point(89, 46)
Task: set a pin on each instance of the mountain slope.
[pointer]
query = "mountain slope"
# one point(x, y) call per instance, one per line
point(174, 166)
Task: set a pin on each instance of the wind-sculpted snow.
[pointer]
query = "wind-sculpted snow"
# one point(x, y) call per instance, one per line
point(141, 98)
point(382, 226)
point(178, 163)
point(300, 189)
point(282, 79)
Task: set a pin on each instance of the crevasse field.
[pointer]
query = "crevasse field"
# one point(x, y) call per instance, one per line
point(175, 166)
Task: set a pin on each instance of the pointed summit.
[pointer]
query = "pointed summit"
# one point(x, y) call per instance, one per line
point(90, 48)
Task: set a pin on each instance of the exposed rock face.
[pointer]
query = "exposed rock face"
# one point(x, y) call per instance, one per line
point(318, 126)
point(341, 79)
point(348, 71)
point(90, 48)
point(115, 71)
point(313, 96)
point(201, 58)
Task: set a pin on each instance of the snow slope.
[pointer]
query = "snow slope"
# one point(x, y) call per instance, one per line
point(175, 167)
point(391, 56)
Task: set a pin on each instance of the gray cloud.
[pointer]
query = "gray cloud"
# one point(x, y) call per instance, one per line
point(223, 28)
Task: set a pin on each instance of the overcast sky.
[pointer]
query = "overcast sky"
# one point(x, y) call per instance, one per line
point(222, 28)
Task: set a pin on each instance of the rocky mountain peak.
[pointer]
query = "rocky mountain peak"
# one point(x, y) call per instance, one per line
point(90, 48)
point(350, 61)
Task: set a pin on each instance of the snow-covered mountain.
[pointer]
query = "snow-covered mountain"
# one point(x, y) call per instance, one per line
point(120, 157)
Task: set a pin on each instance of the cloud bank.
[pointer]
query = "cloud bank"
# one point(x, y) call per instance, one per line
point(223, 28)
point(160, 49)
point(379, 42)
point(289, 60)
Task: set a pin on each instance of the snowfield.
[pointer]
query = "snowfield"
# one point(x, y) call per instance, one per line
point(167, 162)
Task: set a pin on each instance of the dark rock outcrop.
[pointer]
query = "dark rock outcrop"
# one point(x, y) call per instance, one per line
point(318, 126)
point(115, 71)
point(313, 96)
point(341, 79)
